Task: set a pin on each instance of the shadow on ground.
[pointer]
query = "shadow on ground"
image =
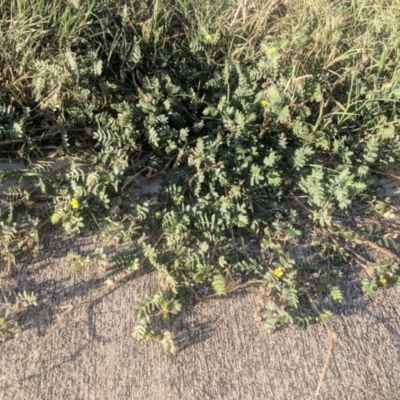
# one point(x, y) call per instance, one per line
point(78, 342)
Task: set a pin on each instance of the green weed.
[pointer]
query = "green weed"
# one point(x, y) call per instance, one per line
point(243, 107)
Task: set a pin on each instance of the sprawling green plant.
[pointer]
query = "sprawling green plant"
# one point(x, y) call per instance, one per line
point(266, 121)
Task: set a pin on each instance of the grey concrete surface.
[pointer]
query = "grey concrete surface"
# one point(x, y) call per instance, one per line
point(77, 344)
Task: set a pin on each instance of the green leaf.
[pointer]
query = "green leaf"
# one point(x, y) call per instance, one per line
point(272, 94)
point(269, 161)
point(222, 261)
point(363, 170)
point(284, 114)
point(256, 176)
point(291, 296)
point(199, 277)
point(325, 316)
point(336, 294)
point(98, 67)
point(396, 93)
point(242, 220)
point(167, 342)
point(317, 95)
point(134, 265)
point(387, 133)
point(369, 286)
point(274, 179)
point(371, 149)
point(174, 307)
point(218, 284)
point(141, 330)
point(301, 156)
point(56, 217)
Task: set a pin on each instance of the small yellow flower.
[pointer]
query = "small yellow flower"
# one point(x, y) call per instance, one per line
point(383, 281)
point(74, 203)
point(208, 38)
point(278, 272)
point(264, 103)
point(272, 50)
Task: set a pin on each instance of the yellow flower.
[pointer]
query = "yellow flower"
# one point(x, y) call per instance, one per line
point(272, 50)
point(74, 203)
point(383, 281)
point(264, 103)
point(208, 38)
point(278, 272)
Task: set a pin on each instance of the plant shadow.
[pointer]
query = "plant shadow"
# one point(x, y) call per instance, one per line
point(57, 287)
